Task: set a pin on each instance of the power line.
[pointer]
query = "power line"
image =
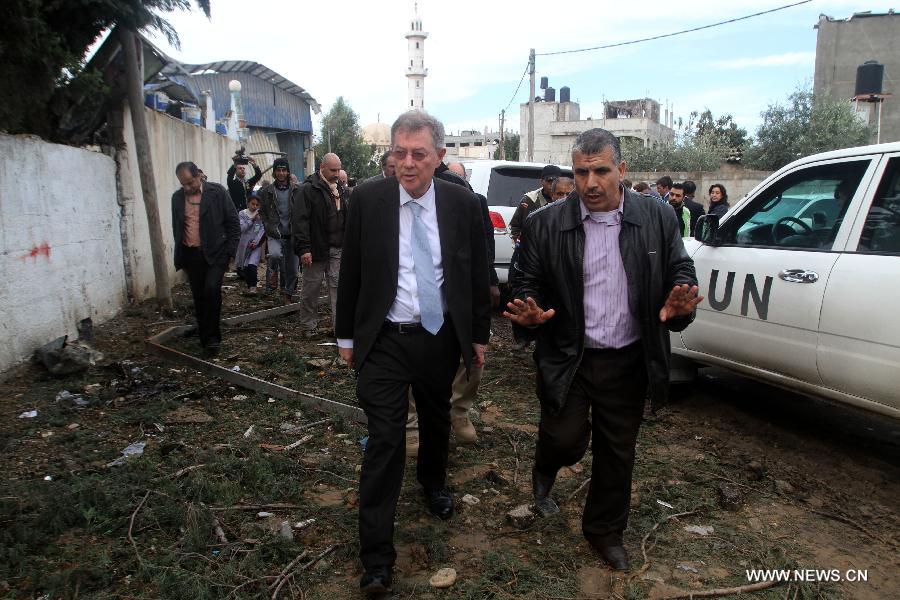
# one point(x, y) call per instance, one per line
point(518, 86)
point(665, 35)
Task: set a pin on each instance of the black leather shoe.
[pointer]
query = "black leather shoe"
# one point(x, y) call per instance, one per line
point(616, 556)
point(440, 503)
point(376, 582)
point(540, 486)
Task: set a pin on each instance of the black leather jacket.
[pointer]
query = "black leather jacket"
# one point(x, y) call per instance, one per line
point(551, 261)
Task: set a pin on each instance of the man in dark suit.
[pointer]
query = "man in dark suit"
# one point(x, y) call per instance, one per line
point(206, 231)
point(413, 296)
point(388, 167)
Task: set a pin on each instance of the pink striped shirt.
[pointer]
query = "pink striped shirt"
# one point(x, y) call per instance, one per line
point(608, 320)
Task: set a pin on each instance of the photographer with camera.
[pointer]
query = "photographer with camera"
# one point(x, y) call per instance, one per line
point(238, 185)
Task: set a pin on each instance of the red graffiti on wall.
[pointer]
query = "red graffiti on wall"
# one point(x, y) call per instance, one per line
point(42, 250)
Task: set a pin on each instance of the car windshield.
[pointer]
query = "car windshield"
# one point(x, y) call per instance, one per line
point(509, 184)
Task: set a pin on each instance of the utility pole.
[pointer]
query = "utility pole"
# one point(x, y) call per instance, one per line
point(134, 87)
point(502, 137)
point(530, 157)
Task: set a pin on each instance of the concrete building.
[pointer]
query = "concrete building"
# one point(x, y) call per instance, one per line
point(469, 144)
point(276, 110)
point(416, 71)
point(557, 124)
point(842, 45)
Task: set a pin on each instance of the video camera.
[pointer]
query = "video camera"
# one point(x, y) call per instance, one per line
point(241, 157)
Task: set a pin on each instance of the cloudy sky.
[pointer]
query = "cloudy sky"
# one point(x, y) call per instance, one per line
point(477, 51)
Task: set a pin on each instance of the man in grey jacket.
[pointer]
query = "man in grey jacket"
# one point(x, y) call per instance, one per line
point(603, 278)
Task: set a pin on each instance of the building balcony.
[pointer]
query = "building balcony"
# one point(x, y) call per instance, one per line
point(414, 71)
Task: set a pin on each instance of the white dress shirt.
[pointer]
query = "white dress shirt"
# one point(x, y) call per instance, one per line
point(405, 308)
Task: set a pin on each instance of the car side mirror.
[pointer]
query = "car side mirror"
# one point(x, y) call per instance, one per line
point(707, 230)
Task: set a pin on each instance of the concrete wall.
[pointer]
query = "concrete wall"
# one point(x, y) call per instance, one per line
point(738, 182)
point(60, 243)
point(843, 45)
point(172, 141)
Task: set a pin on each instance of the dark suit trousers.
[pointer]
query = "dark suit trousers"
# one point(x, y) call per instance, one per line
point(612, 385)
point(206, 288)
point(397, 361)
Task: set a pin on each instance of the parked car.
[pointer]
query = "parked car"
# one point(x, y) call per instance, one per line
point(802, 280)
point(504, 183)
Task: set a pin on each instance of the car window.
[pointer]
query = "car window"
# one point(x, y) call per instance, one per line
point(509, 184)
point(804, 209)
point(881, 231)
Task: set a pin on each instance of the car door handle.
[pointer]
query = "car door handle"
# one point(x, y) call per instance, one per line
point(799, 276)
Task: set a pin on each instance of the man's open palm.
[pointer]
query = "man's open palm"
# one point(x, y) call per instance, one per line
point(681, 302)
point(527, 313)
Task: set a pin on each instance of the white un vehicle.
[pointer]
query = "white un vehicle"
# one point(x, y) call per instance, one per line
point(802, 280)
point(504, 183)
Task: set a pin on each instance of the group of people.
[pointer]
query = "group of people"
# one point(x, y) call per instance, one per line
point(288, 223)
point(681, 196)
point(412, 312)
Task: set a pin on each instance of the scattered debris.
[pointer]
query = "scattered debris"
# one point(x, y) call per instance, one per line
point(28, 414)
point(285, 531)
point(470, 500)
point(299, 442)
point(319, 363)
point(135, 449)
point(48, 478)
point(730, 496)
point(264, 515)
point(755, 471)
point(300, 525)
point(495, 477)
point(783, 487)
point(236, 368)
point(67, 396)
point(444, 578)
point(687, 568)
point(271, 400)
point(92, 388)
point(521, 516)
point(240, 397)
point(249, 431)
point(702, 530)
point(185, 415)
point(666, 504)
point(62, 358)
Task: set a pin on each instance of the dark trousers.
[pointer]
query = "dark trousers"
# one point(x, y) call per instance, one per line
point(249, 275)
point(206, 288)
point(397, 361)
point(612, 385)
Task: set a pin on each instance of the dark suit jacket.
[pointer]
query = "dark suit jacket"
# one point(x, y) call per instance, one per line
point(370, 261)
point(220, 229)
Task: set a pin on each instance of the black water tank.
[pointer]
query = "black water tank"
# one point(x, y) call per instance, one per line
point(564, 94)
point(550, 95)
point(544, 83)
point(869, 77)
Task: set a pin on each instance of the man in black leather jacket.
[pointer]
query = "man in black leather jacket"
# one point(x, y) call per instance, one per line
point(603, 278)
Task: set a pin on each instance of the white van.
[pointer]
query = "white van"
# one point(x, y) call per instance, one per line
point(802, 280)
point(504, 183)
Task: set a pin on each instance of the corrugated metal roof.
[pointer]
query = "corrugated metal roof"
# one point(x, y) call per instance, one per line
point(258, 70)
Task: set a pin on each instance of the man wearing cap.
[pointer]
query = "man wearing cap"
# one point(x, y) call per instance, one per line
point(279, 204)
point(320, 238)
point(534, 199)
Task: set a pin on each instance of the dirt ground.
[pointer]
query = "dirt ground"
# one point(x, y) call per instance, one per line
point(771, 479)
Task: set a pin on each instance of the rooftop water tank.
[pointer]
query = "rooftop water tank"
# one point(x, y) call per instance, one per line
point(869, 77)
